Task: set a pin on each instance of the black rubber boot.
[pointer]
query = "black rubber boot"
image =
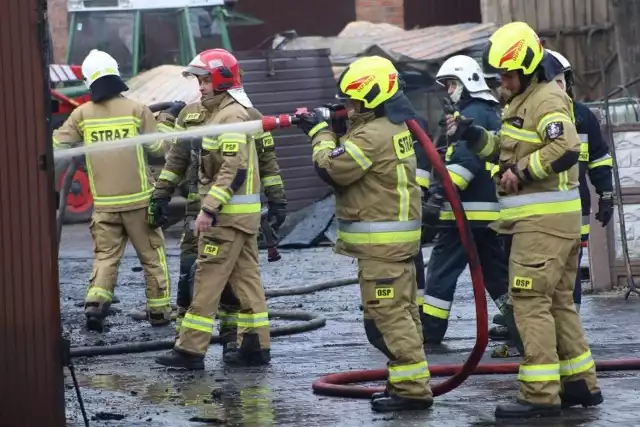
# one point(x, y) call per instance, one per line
point(576, 393)
point(379, 395)
point(95, 323)
point(500, 331)
point(96, 312)
point(179, 359)
point(393, 403)
point(249, 354)
point(115, 299)
point(159, 319)
point(527, 410)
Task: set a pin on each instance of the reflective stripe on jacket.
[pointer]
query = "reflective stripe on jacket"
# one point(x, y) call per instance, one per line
point(119, 179)
point(373, 170)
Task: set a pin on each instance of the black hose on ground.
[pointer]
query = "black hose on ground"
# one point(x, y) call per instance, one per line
point(309, 322)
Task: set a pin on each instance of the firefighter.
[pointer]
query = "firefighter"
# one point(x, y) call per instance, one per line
point(538, 148)
point(228, 222)
point(594, 159)
point(273, 185)
point(121, 184)
point(372, 169)
point(462, 77)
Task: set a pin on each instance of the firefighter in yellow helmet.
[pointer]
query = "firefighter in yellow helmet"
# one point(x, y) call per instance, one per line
point(538, 149)
point(372, 168)
point(121, 183)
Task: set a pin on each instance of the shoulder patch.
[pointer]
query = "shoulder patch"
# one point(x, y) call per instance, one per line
point(193, 118)
point(554, 130)
point(516, 122)
point(336, 152)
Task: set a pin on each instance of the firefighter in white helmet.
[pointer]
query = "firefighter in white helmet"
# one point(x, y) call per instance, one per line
point(121, 184)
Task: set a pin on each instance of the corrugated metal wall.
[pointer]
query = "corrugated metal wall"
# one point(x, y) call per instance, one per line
point(280, 85)
point(308, 17)
point(582, 30)
point(30, 332)
point(427, 13)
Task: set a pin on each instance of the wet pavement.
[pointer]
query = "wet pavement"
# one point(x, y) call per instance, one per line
point(130, 390)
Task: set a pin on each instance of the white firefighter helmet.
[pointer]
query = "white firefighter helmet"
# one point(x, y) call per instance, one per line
point(467, 71)
point(566, 65)
point(98, 64)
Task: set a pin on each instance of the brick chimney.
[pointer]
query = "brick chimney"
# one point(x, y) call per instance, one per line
point(390, 11)
point(57, 15)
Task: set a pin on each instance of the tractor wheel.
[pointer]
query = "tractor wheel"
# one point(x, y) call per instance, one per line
point(79, 200)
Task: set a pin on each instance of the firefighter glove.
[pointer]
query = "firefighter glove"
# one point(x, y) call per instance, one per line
point(157, 212)
point(605, 208)
point(308, 121)
point(277, 213)
point(176, 108)
point(338, 118)
point(166, 119)
point(431, 209)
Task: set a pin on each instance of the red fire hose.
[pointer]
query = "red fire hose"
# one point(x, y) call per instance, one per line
point(341, 384)
point(332, 385)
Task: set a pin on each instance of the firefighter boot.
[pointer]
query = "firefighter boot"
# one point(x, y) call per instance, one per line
point(180, 359)
point(160, 318)
point(249, 353)
point(521, 409)
point(96, 312)
point(393, 403)
point(500, 331)
point(576, 393)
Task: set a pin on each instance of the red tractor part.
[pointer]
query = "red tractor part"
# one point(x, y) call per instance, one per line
point(79, 205)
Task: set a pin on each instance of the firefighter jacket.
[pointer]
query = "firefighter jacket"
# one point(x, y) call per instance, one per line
point(539, 142)
point(595, 160)
point(372, 169)
point(470, 174)
point(228, 179)
point(120, 180)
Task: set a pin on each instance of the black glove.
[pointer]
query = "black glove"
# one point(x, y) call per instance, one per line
point(157, 212)
point(338, 124)
point(308, 121)
point(605, 208)
point(431, 209)
point(277, 213)
point(176, 108)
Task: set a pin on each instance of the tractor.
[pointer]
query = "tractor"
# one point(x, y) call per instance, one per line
point(140, 35)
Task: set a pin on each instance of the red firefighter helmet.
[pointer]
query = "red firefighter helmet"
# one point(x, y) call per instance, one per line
point(221, 65)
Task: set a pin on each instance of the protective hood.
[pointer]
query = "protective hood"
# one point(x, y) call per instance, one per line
point(549, 68)
point(240, 96)
point(399, 109)
point(107, 87)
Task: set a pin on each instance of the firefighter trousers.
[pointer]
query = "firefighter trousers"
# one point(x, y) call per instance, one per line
point(229, 304)
point(418, 262)
point(542, 271)
point(447, 262)
point(392, 324)
point(226, 256)
point(110, 232)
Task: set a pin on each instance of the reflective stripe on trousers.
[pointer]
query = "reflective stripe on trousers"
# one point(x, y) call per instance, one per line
point(437, 307)
point(382, 232)
point(412, 372)
point(585, 228)
point(577, 365)
point(474, 211)
point(544, 203)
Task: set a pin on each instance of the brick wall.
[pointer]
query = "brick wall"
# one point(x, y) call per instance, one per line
point(390, 11)
point(57, 15)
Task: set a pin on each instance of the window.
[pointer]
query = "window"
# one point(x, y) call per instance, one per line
point(160, 37)
point(205, 29)
point(111, 32)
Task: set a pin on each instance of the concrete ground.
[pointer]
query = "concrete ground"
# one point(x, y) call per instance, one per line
point(130, 390)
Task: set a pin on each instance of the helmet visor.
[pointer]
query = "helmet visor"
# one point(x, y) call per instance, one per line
point(194, 71)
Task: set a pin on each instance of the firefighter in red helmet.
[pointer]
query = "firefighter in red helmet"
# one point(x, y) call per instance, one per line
point(229, 218)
